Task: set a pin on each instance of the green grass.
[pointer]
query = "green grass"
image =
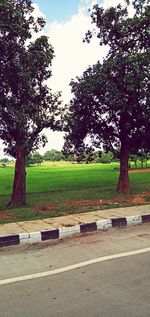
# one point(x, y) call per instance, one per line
point(58, 183)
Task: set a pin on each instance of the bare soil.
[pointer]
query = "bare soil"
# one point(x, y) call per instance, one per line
point(43, 207)
point(126, 200)
point(130, 199)
point(6, 215)
point(138, 170)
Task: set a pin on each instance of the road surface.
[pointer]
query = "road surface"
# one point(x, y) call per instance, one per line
point(117, 284)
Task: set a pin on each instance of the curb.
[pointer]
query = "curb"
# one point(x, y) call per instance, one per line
point(35, 237)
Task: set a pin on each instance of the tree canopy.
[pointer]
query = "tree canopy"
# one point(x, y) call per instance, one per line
point(53, 155)
point(111, 99)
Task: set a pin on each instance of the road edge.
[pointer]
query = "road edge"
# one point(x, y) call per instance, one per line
point(69, 231)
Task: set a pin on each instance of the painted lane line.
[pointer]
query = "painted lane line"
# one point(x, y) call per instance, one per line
point(72, 267)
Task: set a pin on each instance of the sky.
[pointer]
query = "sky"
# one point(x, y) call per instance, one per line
point(67, 21)
point(60, 10)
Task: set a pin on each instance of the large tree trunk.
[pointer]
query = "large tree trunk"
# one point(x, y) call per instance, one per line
point(19, 185)
point(123, 182)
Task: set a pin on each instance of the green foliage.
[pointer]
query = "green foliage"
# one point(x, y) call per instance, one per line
point(4, 160)
point(123, 34)
point(111, 100)
point(27, 105)
point(29, 161)
point(17, 22)
point(53, 156)
point(143, 156)
point(37, 158)
point(3, 165)
point(103, 157)
point(108, 98)
point(34, 158)
point(134, 158)
point(106, 158)
point(96, 158)
point(68, 158)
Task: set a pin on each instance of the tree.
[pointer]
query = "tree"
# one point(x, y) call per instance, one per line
point(37, 158)
point(143, 157)
point(110, 101)
point(29, 160)
point(27, 105)
point(96, 157)
point(34, 158)
point(53, 155)
point(69, 158)
point(106, 158)
point(134, 158)
point(147, 157)
point(4, 160)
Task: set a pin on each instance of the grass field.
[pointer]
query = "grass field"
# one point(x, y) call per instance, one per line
point(60, 188)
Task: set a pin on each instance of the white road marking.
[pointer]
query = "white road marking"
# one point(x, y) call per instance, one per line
point(72, 267)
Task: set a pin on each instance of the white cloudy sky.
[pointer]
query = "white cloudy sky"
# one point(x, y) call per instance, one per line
point(66, 27)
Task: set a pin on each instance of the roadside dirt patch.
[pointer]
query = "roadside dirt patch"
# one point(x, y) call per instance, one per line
point(139, 199)
point(138, 170)
point(43, 208)
point(128, 200)
point(118, 200)
point(83, 202)
point(6, 215)
point(81, 206)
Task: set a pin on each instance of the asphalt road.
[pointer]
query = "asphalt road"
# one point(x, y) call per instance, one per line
point(113, 288)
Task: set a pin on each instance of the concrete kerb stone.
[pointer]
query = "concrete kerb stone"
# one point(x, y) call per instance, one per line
point(50, 234)
point(70, 230)
point(119, 222)
point(24, 238)
point(9, 240)
point(104, 224)
point(32, 237)
point(134, 220)
point(145, 218)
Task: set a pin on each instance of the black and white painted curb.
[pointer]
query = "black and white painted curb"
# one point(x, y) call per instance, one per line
point(34, 237)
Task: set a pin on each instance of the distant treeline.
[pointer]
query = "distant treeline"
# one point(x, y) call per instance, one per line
point(92, 157)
